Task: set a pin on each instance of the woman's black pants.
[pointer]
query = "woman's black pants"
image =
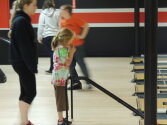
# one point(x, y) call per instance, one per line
point(27, 83)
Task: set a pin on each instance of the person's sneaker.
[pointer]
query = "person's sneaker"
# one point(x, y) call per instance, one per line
point(76, 86)
point(87, 86)
point(69, 122)
point(61, 122)
point(29, 123)
point(48, 71)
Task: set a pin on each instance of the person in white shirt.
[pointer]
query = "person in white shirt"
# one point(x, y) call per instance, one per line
point(48, 26)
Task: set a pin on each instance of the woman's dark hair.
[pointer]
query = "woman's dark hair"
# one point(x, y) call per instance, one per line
point(49, 4)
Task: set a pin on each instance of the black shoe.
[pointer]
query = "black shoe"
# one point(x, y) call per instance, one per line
point(48, 71)
point(76, 86)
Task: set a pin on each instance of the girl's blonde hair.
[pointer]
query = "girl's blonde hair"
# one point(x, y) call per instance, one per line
point(17, 5)
point(64, 35)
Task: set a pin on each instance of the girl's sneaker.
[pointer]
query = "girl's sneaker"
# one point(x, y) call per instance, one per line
point(61, 122)
point(65, 120)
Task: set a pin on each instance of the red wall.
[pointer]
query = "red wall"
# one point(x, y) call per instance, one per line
point(4, 13)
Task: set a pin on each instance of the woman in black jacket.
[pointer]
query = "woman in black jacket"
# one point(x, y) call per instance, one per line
point(23, 53)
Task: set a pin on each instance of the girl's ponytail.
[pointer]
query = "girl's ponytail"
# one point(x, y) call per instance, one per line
point(15, 7)
point(55, 41)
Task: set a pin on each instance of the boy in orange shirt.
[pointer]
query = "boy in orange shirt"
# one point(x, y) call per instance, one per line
point(80, 28)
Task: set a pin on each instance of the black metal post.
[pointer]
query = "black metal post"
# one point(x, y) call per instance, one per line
point(71, 99)
point(137, 28)
point(151, 10)
point(66, 95)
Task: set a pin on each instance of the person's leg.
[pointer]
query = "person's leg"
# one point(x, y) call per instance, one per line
point(28, 91)
point(24, 108)
point(50, 52)
point(80, 60)
point(73, 71)
point(47, 41)
point(51, 61)
point(60, 116)
point(60, 101)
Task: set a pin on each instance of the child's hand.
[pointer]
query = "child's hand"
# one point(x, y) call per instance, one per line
point(72, 49)
point(79, 37)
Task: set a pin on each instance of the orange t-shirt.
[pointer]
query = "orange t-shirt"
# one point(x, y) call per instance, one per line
point(75, 24)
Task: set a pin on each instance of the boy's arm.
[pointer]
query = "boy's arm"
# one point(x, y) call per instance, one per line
point(84, 32)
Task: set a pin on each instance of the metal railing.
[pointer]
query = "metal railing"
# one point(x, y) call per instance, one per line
point(137, 112)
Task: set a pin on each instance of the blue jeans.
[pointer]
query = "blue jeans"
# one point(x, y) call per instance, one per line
point(47, 41)
point(79, 58)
